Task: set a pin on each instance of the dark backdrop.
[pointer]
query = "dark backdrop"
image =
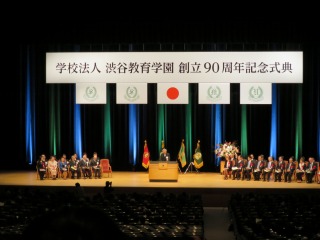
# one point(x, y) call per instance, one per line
point(33, 37)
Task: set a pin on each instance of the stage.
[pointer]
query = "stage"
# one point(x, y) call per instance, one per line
point(215, 191)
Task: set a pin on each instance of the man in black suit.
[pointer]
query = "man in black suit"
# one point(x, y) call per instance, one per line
point(164, 156)
point(312, 169)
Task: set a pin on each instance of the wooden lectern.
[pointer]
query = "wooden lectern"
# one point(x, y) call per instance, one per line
point(163, 171)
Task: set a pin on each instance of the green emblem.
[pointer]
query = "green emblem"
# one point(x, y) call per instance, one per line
point(91, 93)
point(256, 94)
point(214, 93)
point(197, 155)
point(131, 94)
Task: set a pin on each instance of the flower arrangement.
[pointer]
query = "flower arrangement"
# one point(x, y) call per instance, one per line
point(226, 148)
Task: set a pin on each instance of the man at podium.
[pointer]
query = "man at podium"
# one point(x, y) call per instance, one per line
point(164, 156)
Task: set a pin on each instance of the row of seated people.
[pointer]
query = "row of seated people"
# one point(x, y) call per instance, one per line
point(278, 170)
point(74, 168)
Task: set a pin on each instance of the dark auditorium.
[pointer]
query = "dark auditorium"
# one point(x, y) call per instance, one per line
point(161, 128)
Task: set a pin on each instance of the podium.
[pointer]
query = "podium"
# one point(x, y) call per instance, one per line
point(166, 171)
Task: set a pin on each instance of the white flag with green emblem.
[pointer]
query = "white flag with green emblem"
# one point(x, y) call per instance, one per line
point(132, 93)
point(255, 93)
point(91, 93)
point(214, 93)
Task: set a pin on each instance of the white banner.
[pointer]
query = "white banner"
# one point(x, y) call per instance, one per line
point(214, 93)
point(256, 93)
point(132, 93)
point(161, 67)
point(91, 93)
point(172, 93)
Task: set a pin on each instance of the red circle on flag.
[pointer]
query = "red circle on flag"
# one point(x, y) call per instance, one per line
point(173, 93)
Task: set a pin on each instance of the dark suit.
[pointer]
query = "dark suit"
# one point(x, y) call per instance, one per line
point(248, 169)
point(268, 170)
point(41, 165)
point(237, 173)
point(86, 168)
point(258, 166)
point(312, 171)
point(278, 171)
point(289, 171)
point(163, 157)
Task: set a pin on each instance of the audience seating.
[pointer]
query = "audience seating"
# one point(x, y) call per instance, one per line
point(275, 216)
point(140, 216)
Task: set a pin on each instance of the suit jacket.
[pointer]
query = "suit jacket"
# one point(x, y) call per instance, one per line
point(281, 165)
point(251, 165)
point(240, 165)
point(164, 157)
point(292, 167)
point(260, 167)
point(314, 168)
point(272, 165)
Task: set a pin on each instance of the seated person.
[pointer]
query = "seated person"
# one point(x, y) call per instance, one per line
point(258, 167)
point(227, 168)
point(311, 170)
point(95, 164)
point(248, 168)
point(63, 167)
point(279, 169)
point(85, 166)
point(74, 166)
point(300, 170)
point(237, 169)
point(164, 156)
point(42, 166)
point(53, 167)
point(289, 170)
point(268, 169)
point(319, 175)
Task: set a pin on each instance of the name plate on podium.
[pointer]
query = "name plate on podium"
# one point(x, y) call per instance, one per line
point(163, 171)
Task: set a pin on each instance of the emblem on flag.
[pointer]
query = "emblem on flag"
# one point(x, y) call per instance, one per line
point(132, 94)
point(197, 157)
point(214, 93)
point(256, 94)
point(91, 93)
point(182, 154)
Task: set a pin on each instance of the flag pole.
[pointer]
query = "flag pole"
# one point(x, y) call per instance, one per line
point(191, 164)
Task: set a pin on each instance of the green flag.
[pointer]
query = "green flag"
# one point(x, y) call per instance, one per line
point(162, 147)
point(182, 154)
point(197, 157)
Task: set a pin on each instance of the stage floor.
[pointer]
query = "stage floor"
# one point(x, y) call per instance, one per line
point(141, 179)
point(214, 189)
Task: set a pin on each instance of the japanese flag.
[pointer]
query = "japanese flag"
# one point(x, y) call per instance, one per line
point(173, 93)
point(91, 93)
